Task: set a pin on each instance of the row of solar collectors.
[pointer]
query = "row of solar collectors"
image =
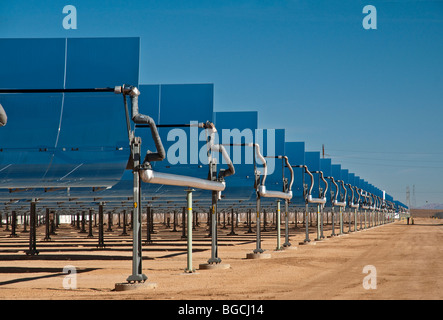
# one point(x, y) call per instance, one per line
point(70, 150)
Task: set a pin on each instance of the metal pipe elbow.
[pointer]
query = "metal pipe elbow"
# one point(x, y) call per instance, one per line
point(3, 117)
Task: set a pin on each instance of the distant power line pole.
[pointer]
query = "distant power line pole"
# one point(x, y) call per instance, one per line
point(408, 197)
point(414, 202)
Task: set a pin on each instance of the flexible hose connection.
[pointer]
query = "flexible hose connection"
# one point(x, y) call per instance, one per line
point(3, 117)
point(138, 118)
point(219, 148)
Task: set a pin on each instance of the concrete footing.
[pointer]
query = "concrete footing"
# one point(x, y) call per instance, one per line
point(254, 255)
point(214, 266)
point(125, 286)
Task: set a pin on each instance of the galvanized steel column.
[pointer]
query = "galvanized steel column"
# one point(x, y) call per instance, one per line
point(287, 243)
point(189, 268)
point(278, 226)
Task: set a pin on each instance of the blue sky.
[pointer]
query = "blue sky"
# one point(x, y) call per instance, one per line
point(374, 98)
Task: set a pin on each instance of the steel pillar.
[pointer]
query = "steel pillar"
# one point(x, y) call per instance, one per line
point(101, 241)
point(307, 240)
point(90, 235)
point(13, 225)
point(47, 230)
point(232, 233)
point(279, 247)
point(258, 248)
point(137, 274)
point(189, 268)
point(333, 222)
point(32, 230)
point(287, 243)
point(124, 233)
point(341, 221)
point(214, 245)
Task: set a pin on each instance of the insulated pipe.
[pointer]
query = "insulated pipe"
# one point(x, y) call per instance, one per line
point(352, 204)
point(356, 204)
point(137, 118)
point(342, 203)
point(256, 146)
point(324, 181)
point(315, 200)
point(278, 194)
point(150, 176)
point(3, 117)
point(219, 148)
point(262, 188)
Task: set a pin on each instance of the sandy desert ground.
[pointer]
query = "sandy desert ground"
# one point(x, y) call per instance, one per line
point(407, 260)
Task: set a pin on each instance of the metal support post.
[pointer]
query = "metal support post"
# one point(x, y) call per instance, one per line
point(13, 225)
point(124, 233)
point(341, 221)
point(258, 248)
point(279, 247)
point(232, 233)
point(355, 220)
point(137, 275)
point(286, 243)
point(189, 268)
point(318, 224)
point(183, 237)
point(47, 234)
point(90, 235)
point(175, 222)
point(7, 222)
point(321, 221)
point(148, 225)
point(101, 241)
point(214, 246)
point(333, 222)
point(307, 240)
point(249, 221)
point(25, 223)
point(366, 218)
point(109, 222)
point(33, 230)
point(350, 220)
point(265, 222)
point(83, 223)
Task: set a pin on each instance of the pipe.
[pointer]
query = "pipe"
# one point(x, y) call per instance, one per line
point(352, 203)
point(149, 176)
point(138, 118)
point(334, 201)
point(219, 148)
point(278, 194)
point(324, 181)
point(262, 188)
point(291, 170)
point(274, 194)
point(309, 198)
point(3, 117)
point(342, 203)
point(256, 146)
point(357, 205)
